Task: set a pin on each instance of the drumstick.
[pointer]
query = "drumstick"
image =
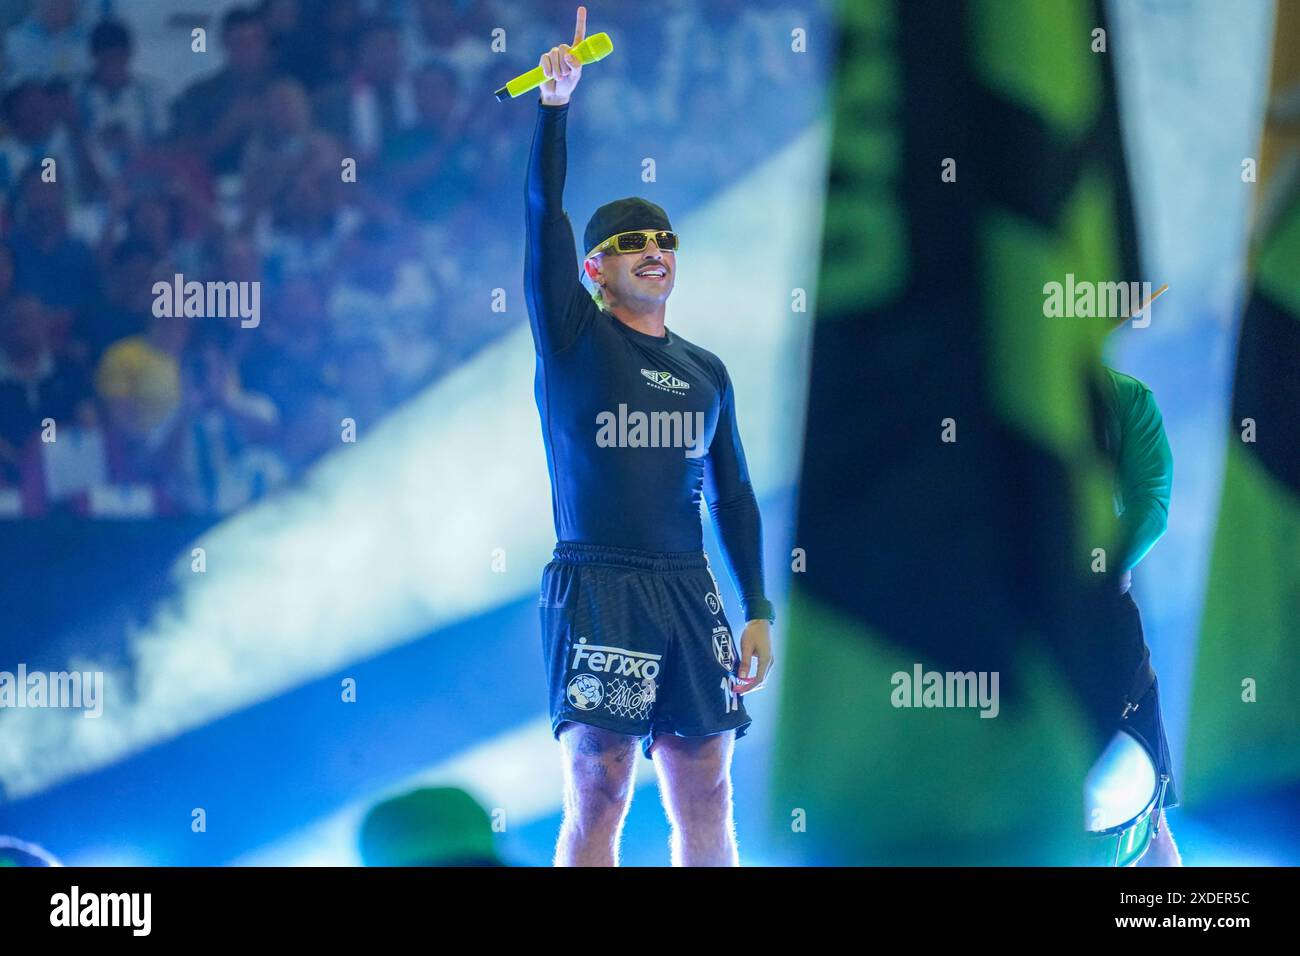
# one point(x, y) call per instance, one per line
point(1142, 308)
point(1154, 295)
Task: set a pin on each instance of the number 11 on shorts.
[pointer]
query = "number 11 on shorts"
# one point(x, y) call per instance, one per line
point(730, 701)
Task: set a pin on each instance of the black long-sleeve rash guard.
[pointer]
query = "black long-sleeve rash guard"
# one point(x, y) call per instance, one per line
point(620, 478)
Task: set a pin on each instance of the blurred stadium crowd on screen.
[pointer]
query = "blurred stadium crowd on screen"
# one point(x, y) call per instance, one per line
point(369, 290)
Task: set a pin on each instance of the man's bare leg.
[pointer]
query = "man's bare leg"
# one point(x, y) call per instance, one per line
point(695, 783)
point(599, 769)
point(1162, 851)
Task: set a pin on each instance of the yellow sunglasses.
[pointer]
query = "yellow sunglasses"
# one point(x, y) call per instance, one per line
point(636, 241)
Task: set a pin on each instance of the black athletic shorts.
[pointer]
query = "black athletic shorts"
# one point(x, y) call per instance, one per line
point(1146, 720)
point(637, 643)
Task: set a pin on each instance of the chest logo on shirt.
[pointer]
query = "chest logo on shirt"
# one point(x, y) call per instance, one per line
point(665, 381)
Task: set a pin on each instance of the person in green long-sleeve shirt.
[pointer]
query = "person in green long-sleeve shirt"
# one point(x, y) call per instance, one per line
point(1134, 439)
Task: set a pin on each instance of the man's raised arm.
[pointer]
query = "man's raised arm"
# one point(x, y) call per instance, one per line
point(558, 305)
point(1146, 476)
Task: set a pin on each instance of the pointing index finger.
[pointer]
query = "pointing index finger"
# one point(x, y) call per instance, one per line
point(580, 31)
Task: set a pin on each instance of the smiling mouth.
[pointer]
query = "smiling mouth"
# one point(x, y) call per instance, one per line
point(657, 273)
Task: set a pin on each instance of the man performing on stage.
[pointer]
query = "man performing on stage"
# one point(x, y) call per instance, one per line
point(639, 427)
point(1134, 439)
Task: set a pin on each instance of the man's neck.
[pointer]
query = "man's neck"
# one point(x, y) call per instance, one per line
point(649, 323)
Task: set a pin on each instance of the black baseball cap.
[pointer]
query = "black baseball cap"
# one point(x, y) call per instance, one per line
point(623, 215)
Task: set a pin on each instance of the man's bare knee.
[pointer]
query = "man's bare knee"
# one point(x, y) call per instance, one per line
point(600, 767)
point(696, 774)
point(704, 800)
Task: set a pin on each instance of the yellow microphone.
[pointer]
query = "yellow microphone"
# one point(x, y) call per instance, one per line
point(595, 47)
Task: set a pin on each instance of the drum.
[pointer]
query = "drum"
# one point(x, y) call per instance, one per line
point(1121, 796)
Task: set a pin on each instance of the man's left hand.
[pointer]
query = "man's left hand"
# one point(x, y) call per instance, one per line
point(756, 642)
